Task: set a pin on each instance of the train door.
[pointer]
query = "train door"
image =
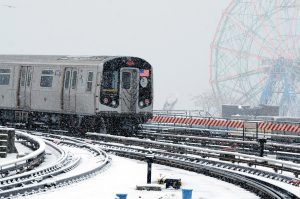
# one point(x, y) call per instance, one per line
point(129, 89)
point(69, 94)
point(25, 87)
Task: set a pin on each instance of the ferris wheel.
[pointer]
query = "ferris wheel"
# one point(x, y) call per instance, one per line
point(255, 55)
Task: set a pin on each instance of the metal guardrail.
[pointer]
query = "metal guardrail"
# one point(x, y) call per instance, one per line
point(183, 113)
point(36, 157)
point(274, 127)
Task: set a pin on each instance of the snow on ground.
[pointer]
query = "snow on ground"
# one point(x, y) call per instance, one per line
point(123, 175)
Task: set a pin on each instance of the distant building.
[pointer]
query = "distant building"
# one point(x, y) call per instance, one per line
point(229, 111)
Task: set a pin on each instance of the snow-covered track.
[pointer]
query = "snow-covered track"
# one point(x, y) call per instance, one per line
point(224, 171)
point(291, 152)
point(20, 183)
point(199, 155)
point(29, 161)
point(42, 179)
point(120, 149)
point(260, 187)
point(191, 163)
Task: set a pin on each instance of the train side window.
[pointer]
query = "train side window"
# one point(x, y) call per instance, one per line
point(126, 76)
point(46, 78)
point(23, 77)
point(4, 76)
point(89, 83)
point(29, 76)
point(67, 79)
point(74, 80)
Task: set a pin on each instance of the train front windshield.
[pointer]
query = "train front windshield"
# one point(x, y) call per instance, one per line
point(110, 81)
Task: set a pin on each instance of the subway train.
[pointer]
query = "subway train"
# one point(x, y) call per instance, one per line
point(112, 94)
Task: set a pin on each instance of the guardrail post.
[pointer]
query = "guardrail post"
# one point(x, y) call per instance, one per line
point(243, 132)
point(256, 130)
point(149, 159)
point(11, 148)
point(262, 142)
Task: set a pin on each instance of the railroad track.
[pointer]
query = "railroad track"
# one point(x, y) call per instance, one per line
point(27, 162)
point(184, 157)
point(237, 158)
point(216, 158)
point(52, 175)
point(261, 188)
point(282, 151)
point(191, 163)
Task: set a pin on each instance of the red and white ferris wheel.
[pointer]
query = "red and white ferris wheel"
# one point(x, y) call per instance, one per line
point(255, 55)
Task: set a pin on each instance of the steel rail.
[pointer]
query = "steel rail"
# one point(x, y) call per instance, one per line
point(200, 152)
point(199, 160)
point(282, 151)
point(63, 163)
point(283, 164)
point(43, 183)
point(28, 161)
point(259, 187)
point(228, 142)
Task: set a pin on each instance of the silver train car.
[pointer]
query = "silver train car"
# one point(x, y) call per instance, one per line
point(77, 93)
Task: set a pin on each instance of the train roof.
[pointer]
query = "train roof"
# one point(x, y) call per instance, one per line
point(54, 59)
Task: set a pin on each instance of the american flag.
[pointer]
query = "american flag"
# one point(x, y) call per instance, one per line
point(144, 73)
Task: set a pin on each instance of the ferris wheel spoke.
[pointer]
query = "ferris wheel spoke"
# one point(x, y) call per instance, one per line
point(229, 90)
point(255, 37)
point(256, 54)
point(291, 35)
point(264, 20)
point(295, 40)
point(242, 75)
point(252, 92)
point(276, 24)
point(286, 34)
point(240, 53)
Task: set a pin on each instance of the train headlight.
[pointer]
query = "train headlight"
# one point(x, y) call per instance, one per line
point(144, 82)
point(141, 103)
point(113, 103)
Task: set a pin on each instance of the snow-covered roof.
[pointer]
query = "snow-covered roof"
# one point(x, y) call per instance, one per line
point(53, 59)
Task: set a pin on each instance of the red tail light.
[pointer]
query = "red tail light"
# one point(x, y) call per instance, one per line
point(147, 101)
point(105, 100)
point(130, 62)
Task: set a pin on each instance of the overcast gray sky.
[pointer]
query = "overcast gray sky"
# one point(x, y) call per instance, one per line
point(173, 35)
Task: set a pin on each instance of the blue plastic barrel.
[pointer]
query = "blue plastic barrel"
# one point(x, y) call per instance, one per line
point(187, 193)
point(121, 195)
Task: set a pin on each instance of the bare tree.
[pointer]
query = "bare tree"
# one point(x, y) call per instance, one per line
point(208, 102)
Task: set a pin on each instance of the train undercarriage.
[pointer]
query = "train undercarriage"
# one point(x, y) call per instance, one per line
point(116, 124)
